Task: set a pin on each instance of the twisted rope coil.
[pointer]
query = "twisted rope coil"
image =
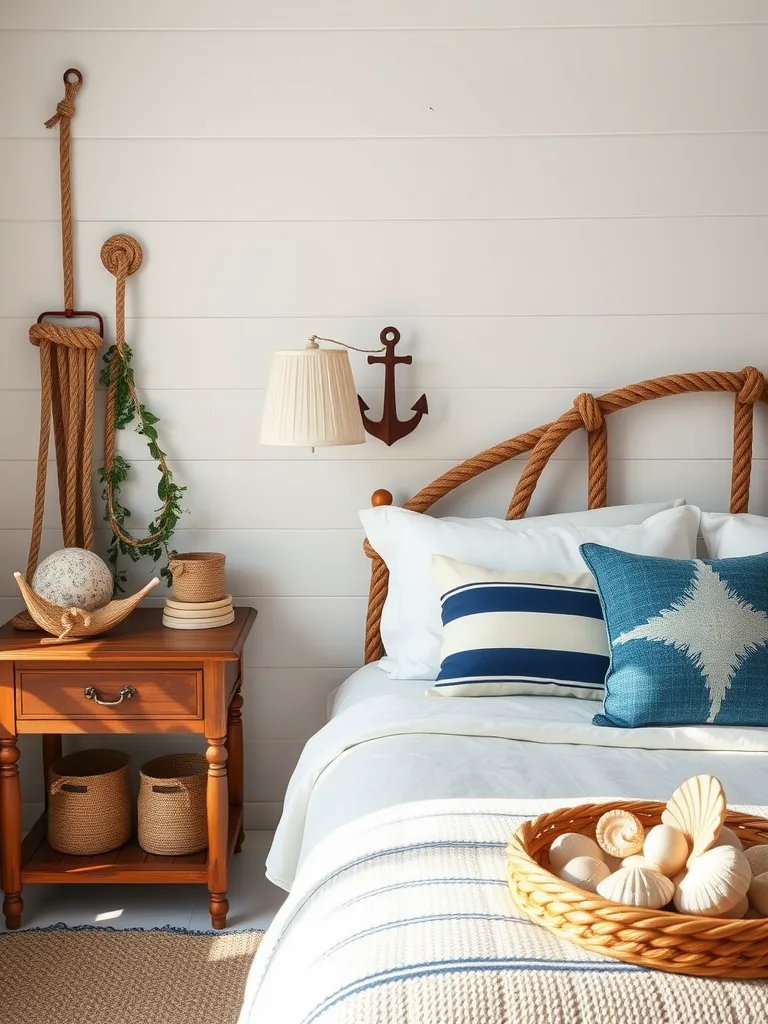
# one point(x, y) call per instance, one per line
point(748, 387)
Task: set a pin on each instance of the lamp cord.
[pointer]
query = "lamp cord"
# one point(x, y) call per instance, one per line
point(314, 338)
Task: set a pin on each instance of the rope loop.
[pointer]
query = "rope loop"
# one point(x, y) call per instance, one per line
point(591, 414)
point(59, 334)
point(121, 255)
point(753, 387)
point(65, 109)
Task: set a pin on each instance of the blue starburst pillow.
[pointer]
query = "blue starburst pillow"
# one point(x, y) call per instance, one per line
point(688, 640)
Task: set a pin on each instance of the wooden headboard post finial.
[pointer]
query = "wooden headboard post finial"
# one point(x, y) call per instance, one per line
point(748, 387)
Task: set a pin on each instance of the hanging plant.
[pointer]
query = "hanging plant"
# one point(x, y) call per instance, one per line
point(123, 408)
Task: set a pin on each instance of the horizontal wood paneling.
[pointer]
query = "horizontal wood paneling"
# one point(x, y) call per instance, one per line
point(325, 14)
point(545, 197)
point(224, 426)
point(392, 179)
point(398, 268)
point(345, 487)
point(575, 353)
point(383, 84)
point(280, 563)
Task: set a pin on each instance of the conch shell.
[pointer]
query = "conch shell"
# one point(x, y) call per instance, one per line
point(716, 881)
point(668, 848)
point(584, 872)
point(620, 833)
point(570, 845)
point(637, 887)
point(758, 893)
point(697, 809)
point(758, 858)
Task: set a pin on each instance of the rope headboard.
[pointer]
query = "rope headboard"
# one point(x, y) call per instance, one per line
point(749, 387)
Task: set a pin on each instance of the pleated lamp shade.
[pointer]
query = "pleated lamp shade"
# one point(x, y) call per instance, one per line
point(311, 399)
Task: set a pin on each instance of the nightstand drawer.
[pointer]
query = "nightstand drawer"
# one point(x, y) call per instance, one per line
point(109, 694)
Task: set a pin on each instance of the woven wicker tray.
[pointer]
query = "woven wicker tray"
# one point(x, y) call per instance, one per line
point(680, 943)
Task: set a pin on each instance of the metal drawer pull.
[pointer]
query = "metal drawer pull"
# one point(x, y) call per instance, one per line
point(126, 693)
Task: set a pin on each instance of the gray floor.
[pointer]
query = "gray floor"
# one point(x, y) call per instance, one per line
point(253, 901)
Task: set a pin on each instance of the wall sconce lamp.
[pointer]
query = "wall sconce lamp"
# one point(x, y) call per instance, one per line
point(311, 400)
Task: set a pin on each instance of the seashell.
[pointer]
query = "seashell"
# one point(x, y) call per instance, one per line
point(614, 863)
point(758, 894)
point(637, 860)
point(570, 845)
point(620, 833)
point(677, 879)
point(584, 872)
point(697, 809)
point(758, 858)
point(667, 847)
point(739, 910)
point(727, 837)
point(715, 883)
point(637, 887)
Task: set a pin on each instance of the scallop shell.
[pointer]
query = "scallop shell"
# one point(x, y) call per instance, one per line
point(667, 847)
point(697, 809)
point(620, 833)
point(637, 887)
point(637, 860)
point(727, 837)
point(716, 881)
point(758, 858)
point(739, 910)
point(584, 872)
point(758, 894)
point(570, 845)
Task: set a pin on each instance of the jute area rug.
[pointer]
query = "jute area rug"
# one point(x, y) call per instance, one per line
point(103, 976)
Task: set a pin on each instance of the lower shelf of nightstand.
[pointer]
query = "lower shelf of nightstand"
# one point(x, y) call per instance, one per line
point(127, 864)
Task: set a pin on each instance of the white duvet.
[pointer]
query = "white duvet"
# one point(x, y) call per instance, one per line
point(388, 744)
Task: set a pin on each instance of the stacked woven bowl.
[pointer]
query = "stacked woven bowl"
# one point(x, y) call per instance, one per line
point(200, 600)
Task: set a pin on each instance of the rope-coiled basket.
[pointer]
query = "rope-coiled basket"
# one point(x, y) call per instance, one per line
point(89, 805)
point(172, 814)
point(681, 943)
point(198, 576)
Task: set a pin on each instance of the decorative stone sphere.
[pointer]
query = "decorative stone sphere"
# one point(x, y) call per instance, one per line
point(74, 578)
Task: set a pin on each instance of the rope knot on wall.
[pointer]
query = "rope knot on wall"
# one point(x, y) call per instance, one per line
point(121, 255)
point(753, 387)
point(591, 414)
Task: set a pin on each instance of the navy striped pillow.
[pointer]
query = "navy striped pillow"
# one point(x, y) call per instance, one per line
point(519, 633)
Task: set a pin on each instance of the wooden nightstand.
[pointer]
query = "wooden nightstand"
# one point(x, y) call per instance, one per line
point(183, 681)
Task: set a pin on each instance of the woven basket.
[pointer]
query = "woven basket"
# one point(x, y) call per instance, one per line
point(172, 815)
point(89, 807)
point(680, 943)
point(198, 576)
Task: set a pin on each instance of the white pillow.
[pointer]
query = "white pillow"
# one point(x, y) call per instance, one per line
point(410, 623)
point(535, 633)
point(732, 536)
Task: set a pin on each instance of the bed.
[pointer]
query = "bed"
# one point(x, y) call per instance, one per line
point(396, 820)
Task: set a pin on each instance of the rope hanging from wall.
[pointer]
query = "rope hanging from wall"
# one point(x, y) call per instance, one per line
point(68, 363)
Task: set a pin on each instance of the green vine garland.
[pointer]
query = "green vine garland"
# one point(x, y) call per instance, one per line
point(161, 529)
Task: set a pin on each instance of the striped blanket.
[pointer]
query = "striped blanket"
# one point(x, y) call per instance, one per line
point(405, 917)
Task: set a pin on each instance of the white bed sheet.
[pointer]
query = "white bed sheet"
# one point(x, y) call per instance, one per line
point(384, 772)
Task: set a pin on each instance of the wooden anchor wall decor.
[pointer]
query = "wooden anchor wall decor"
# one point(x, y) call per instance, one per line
point(389, 428)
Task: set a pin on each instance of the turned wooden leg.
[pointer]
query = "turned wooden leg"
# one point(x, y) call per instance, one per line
point(10, 832)
point(51, 753)
point(235, 760)
point(218, 820)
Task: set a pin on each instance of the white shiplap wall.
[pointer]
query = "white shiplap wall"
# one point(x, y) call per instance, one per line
point(545, 196)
